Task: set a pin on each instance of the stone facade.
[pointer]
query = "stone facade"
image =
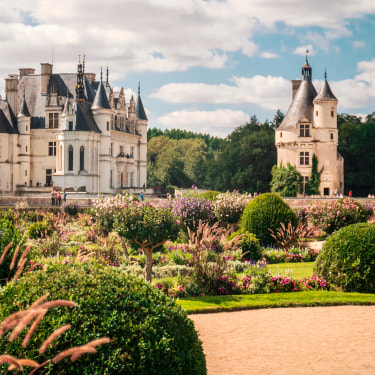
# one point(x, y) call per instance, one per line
point(310, 127)
point(70, 131)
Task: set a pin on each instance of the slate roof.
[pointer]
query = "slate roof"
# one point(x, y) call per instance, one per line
point(24, 111)
point(326, 93)
point(8, 122)
point(84, 119)
point(101, 99)
point(139, 110)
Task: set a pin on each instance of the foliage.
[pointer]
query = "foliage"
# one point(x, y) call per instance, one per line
point(149, 333)
point(249, 244)
point(266, 212)
point(34, 314)
point(291, 236)
point(335, 214)
point(71, 208)
point(229, 207)
point(286, 181)
point(39, 230)
point(347, 258)
point(209, 195)
point(209, 267)
point(312, 186)
point(9, 234)
point(105, 209)
point(293, 255)
point(146, 226)
point(191, 210)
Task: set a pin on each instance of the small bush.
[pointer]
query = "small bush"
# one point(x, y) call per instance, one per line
point(230, 206)
point(249, 244)
point(266, 212)
point(39, 230)
point(150, 333)
point(71, 208)
point(347, 258)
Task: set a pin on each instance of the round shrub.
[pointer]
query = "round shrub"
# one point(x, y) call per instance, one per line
point(347, 258)
point(150, 333)
point(71, 209)
point(250, 245)
point(39, 230)
point(266, 212)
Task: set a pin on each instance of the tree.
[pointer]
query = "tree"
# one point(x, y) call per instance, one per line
point(312, 186)
point(147, 227)
point(286, 181)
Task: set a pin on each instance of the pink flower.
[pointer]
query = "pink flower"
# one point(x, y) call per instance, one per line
point(178, 222)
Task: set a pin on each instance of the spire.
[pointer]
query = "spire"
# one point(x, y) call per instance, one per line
point(101, 100)
point(140, 112)
point(306, 70)
point(107, 82)
point(24, 111)
point(325, 92)
point(101, 74)
point(80, 88)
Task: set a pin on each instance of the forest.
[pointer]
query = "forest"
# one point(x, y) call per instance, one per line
point(244, 159)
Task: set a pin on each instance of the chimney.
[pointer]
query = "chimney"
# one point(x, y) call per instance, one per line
point(26, 72)
point(46, 71)
point(11, 91)
point(91, 77)
point(295, 85)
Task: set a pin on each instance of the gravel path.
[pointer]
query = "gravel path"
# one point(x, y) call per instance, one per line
point(294, 341)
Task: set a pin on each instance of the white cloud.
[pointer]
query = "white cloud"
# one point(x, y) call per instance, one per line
point(301, 50)
point(269, 55)
point(266, 92)
point(359, 44)
point(219, 123)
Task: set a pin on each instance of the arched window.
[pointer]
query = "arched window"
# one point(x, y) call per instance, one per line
point(81, 158)
point(70, 158)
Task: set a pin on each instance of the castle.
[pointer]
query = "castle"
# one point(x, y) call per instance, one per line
point(310, 127)
point(70, 131)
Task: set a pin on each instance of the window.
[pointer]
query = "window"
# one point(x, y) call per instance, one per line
point(107, 125)
point(53, 120)
point(111, 178)
point(111, 149)
point(26, 128)
point(326, 191)
point(51, 149)
point(304, 158)
point(26, 173)
point(132, 152)
point(305, 179)
point(131, 182)
point(304, 130)
point(70, 158)
point(316, 113)
point(70, 126)
point(332, 114)
point(281, 134)
point(121, 149)
point(81, 158)
point(26, 148)
point(331, 135)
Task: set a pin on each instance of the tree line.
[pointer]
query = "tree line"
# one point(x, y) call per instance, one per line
point(244, 159)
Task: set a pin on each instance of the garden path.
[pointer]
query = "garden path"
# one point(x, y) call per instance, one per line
point(294, 341)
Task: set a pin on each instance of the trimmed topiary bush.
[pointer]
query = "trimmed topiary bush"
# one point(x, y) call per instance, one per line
point(347, 259)
point(266, 212)
point(209, 195)
point(150, 333)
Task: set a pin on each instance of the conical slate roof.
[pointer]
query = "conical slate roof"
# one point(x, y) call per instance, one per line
point(24, 111)
point(302, 106)
point(326, 93)
point(101, 100)
point(140, 112)
point(84, 119)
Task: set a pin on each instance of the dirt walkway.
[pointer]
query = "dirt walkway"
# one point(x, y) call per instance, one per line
point(311, 340)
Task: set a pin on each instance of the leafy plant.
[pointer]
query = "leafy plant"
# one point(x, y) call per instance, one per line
point(39, 230)
point(249, 245)
point(312, 186)
point(229, 207)
point(286, 181)
point(347, 258)
point(71, 208)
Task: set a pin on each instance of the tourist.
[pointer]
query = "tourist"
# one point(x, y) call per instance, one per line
point(350, 194)
point(142, 195)
point(64, 196)
point(53, 198)
point(59, 198)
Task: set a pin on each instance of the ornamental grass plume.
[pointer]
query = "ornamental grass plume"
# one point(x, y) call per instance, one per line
point(34, 314)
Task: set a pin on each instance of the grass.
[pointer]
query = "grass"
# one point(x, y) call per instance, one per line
point(302, 270)
point(195, 305)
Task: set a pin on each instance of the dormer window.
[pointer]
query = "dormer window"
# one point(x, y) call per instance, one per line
point(53, 120)
point(304, 130)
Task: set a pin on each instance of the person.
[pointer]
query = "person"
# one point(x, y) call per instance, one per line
point(142, 195)
point(59, 198)
point(53, 198)
point(350, 194)
point(168, 196)
point(64, 196)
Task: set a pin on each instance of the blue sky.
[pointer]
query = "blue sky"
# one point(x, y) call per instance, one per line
point(205, 66)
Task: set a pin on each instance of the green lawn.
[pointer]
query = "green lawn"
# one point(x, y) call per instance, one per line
point(297, 270)
point(210, 304)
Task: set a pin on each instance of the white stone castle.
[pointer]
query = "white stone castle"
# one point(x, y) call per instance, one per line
point(310, 127)
point(70, 131)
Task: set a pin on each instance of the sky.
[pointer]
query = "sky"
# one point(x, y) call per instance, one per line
point(203, 66)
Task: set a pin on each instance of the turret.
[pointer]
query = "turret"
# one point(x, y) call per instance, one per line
point(325, 107)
